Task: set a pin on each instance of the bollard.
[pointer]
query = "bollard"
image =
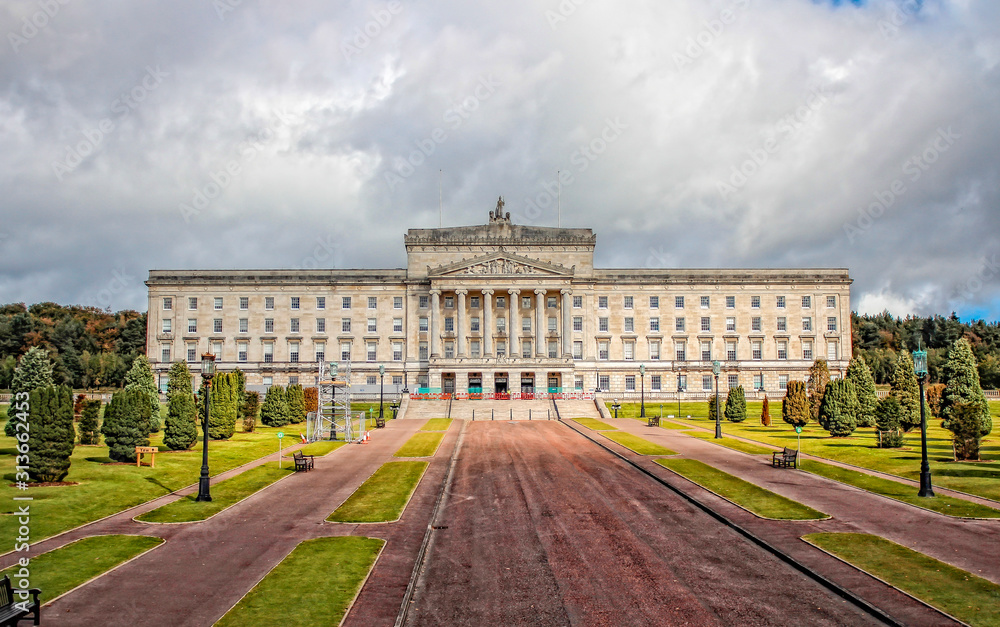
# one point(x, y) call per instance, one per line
point(491, 414)
point(511, 413)
point(529, 413)
point(473, 415)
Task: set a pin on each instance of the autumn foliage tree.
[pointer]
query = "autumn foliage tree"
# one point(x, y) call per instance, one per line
point(765, 413)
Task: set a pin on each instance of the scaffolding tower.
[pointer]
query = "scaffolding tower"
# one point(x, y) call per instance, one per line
point(332, 420)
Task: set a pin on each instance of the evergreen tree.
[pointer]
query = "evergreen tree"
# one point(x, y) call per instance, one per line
point(251, 405)
point(888, 418)
point(860, 375)
point(89, 429)
point(839, 412)
point(904, 388)
point(225, 405)
point(51, 433)
point(140, 377)
point(711, 406)
point(962, 390)
point(966, 426)
point(274, 411)
point(736, 405)
point(296, 403)
point(765, 413)
point(240, 387)
point(180, 430)
point(795, 408)
point(819, 376)
point(126, 424)
point(32, 372)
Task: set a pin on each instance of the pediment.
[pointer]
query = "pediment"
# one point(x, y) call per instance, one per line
point(501, 264)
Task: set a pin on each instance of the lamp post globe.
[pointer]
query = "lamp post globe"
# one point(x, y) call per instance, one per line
point(716, 369)
point(642, 397)
point(920, 369)
point(381, 389)
point(207, 372)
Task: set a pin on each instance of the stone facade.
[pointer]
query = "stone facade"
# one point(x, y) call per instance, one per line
point(505, 307)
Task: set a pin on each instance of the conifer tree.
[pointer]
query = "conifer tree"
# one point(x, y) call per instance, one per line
point(795, 408)
point(126, 424)
point(736, 405)
point(251, 406)
point(860, 375)
point(274, 410)
point(140, 377)
point(966, 425)
point(765, 413)
point(712, 405)
point(180, 430)
point(963, 402)
point(222, 413)
point(296, 403)
point(89, 429)
point(839, 412)
point(888, 418)
point(819, 376)
point(51, 435)
point(904, 388)
point(33, 371)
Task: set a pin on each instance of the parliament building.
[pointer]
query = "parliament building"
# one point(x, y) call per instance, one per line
point(502, 308)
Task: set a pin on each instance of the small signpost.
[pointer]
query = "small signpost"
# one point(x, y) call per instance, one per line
point(151, 450)
point(798, 438)
point(281, 434)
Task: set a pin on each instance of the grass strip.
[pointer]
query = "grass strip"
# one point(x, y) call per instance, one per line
point(224, 494)
point(947, 505)
point(421, 444)
point(596, 425)
point(664, 423)
point(382, 497)
point(321, 448)
point(289, 594)
point(736, 445)
point(437, 424)
point(965, 596)
point(637, 444)
point(60, 570)
point(747, 495)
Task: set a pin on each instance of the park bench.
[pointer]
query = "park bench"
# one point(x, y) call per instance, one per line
point(787, 458)
point(380, 422)
point(303, 462)
point(654, 421)
point(12, 610)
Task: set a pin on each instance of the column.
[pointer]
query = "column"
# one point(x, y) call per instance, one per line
point(460, 322)
point(512, 332)
point(434, 321)
point(487, 329)
point(539, 319)
point(567, 323)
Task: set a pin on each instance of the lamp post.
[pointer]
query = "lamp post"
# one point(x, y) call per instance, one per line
point(642, 397)
point(207, 372)
point(381, 389)
point(716, 369)
point(920, 369)
point(616, 406)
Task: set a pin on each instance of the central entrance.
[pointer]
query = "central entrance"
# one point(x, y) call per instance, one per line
point(500, 385)
point(527, 384)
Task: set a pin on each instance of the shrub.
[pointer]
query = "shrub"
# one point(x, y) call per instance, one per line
point(819, 376)
point(126, 424)
point(736, 405)
point(296, 403)
point(888, 418)
point(274, 410)
point(311, 396)
point(839, 412)
point(904, 388)
point(765, 413)
point(51, 434)
point(712, 405)
point(963, 401)
point(251, 405)
point(140, 377)
point(89, 430)
point(965, 425)
point(225, 405)
point(180, 430)
point(795, 409)
point(860, 375)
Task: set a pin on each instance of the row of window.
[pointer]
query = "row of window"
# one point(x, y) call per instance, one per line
point(707, 382)
point(294, 302)
point(294, 325)
point(680, 324)
point(294, 354)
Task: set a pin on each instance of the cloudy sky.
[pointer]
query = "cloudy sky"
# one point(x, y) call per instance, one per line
point(690, 133)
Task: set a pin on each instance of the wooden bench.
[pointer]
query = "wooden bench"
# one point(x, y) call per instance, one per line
point(303, 462)
point(787, 458)
point(654, 421)
point(14, 607)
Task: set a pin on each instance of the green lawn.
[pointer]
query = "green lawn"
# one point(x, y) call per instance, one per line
point(382, 497)
point(637, 444)
point(960, 593)
point(421, 444)
point(105, 488)
point(289, 594)
point(60, 570)
point(596, 425)
point(437, 424)
point(901, 492)
point(738, 445)
point(321, 448)
point(665, 424)
point(224, 494)
point(761, 502)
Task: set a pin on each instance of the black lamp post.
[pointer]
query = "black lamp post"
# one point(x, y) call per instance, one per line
point(716, 369)
point(207, 372)
point(642, 397)
point(381, 389)
point(920, 369)
point(616, 406)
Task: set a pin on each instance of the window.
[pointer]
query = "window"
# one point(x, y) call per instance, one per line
point(473, 324)
point(550, 302)
point(680, 352)
point(655, 382)
point(474, 302)
point(449, 325)
point(706, 382)
point(604, 382)
point(679, 324)
point(321, 302)
point(755, 302)
point(628, 302)
point(682, 382)
point(831, 323)
point(705, 302)
point(654, 325)
point(268, 325)
point(730, 302)
point(397, 351)
point(165, 353)
point(397, 302)
point(397, 379)
point(782, 323)
point(577, 349)
point(268, 352)
point(501, 302)
point(602, 350)
point(320, 325)
point(371, 380)
point(192, 351)
point(372, 325)
point(217, 325)
point(553, 351)
point(345, 351)
point(217, 350)
point(807, 350)
point(293, 325)
point(345, 325)
point(345, 302)
point(422, 351)
point(474, 348)
point(679, 302)
point(733, 380)
point(422, 301)
point(192, 302)
point(654, 350)
point(630, 383)
point(578, 302)
point(168, 304)
point(166, 325)
point(807, 323)
point(654, 302)
point(525, 348)
point(831, 301)
point(731, 351)
point(268, 381)
point(192, 325)
point(269, 302)
point(370, 351)
point(293, 380)
point(782, 382)
point(831, 351)
point(807, 302)
point(217, 303)
point(578, 383)
point(397, 325)
point(779, 302)
point(526, 324)
point(731, 323)
point(602, 302)
point(501, 348)
point(602, 325)
point(294, 302)
point(578, 323)
point(242, 348)
point(629, 325)
point(320, 351)
point(629, 351)
point(782, 350)
point(552, 322)
point(755, 323)
point(373, 302)
point(501, 325)
point(706, 323)
point(525, 302)
point(706, 351)
point(422, 324)
point(758, 382)
point(756, 350)
point(244, 303)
